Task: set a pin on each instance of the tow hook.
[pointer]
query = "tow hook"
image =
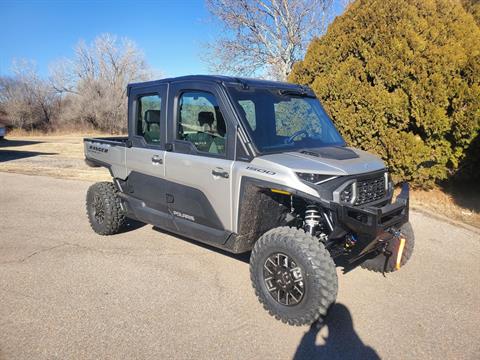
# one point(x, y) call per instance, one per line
point(387, 253)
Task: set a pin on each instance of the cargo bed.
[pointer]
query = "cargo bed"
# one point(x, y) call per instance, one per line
point(109, 152)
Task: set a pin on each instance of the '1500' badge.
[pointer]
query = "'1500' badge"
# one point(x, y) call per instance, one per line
point(263, 171)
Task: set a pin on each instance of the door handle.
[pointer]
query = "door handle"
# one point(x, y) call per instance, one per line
point(220, 172)
point(157, 159)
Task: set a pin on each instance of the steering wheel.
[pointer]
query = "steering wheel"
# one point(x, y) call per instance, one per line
point(296, 134)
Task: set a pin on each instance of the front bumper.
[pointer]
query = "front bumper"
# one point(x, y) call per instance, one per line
point(372, 221)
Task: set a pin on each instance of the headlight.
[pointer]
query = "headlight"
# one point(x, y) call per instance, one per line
point(346, 195)
point(314, 178)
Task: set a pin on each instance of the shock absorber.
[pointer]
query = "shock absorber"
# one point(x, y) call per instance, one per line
point(312, 219)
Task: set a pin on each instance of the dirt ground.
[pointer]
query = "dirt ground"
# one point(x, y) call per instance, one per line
point(61, 156)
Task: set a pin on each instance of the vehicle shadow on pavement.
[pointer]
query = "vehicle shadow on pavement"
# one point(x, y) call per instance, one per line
point(342, 341)
point(345, 266)
point(130, 225)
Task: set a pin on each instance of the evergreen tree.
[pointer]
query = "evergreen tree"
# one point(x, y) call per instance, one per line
point(402, 78)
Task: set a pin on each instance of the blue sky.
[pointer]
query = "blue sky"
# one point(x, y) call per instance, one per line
point(170, 33)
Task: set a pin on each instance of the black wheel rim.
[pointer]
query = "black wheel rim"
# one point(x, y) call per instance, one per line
point(98, 209)
point(283, 279)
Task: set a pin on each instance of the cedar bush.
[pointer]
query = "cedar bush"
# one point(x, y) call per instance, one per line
point(401, 78)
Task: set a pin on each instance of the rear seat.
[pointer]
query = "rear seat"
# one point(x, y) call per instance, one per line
point(152, 131)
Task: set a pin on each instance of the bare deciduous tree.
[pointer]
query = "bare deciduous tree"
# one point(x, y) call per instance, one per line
point(95, 81)
point(26, 98)
point(264, 37)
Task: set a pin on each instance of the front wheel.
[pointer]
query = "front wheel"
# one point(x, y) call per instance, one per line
point(293, 275)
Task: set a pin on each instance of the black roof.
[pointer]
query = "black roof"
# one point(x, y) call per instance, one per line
point(220, 79)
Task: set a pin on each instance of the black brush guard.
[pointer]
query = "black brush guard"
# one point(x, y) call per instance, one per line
point(372, 226)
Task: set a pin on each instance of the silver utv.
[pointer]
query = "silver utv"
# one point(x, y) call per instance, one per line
point(250, 165)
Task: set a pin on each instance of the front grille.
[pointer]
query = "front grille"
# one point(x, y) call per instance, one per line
point(370, 190)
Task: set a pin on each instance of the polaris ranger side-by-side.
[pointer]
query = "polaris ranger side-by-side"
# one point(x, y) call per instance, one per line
point(251, 165)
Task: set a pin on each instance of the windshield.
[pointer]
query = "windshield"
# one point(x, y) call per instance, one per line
point(284, 121)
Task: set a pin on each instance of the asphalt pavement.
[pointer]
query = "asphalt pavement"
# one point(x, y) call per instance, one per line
point(67, 293)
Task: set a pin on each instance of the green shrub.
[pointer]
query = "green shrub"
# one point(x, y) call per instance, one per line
point(401, 78)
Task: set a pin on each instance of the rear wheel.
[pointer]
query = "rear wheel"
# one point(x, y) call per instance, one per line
point(388, 262)
point(293, 275)
point(103, 209)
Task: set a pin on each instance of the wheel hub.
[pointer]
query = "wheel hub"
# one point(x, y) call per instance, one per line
point(283, 279)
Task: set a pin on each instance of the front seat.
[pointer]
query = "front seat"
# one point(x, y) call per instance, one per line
point(203, 138)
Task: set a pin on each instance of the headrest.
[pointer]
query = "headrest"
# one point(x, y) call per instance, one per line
point(152, 116)
point(205, 117)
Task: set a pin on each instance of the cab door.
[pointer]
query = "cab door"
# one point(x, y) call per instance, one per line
point(145, 158)
point(199, 160)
